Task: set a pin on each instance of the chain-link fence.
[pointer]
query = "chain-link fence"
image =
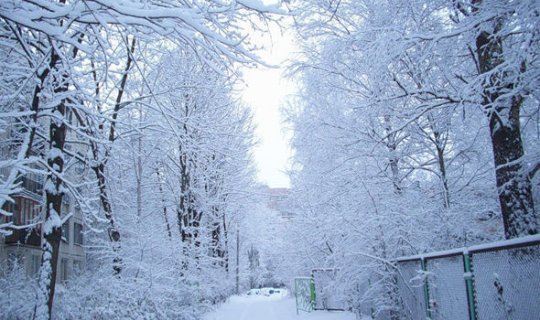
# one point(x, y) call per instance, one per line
point(497, 281)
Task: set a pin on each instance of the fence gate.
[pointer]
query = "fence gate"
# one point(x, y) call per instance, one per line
point(304, 292)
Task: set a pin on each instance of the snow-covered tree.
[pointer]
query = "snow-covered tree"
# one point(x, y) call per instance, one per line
point(73, 63)
point(393, 147)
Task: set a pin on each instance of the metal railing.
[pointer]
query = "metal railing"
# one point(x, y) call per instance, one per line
point(500, 280)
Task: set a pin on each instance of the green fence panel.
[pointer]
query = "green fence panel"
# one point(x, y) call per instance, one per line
point(304, 292)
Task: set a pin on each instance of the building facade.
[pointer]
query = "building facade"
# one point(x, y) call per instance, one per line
point(23, 246)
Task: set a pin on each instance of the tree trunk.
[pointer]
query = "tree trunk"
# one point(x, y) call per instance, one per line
point(393, 160)
point(439, 140)
point(163, 204)
point(52, 228)
point(503, 111)
point(226, 245)
point(189, 217)
point(114, 234)
point(237, 261)
point(101, 163)
point(444, 178)
point(513, 185)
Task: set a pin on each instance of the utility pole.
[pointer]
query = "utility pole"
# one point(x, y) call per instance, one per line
point(237, 260)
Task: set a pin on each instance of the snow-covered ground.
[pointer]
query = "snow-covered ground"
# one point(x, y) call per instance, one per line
point(279, 306)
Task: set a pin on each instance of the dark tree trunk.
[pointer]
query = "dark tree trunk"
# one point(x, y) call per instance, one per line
point(216, 235)
point(101, 163)
point(226, 245)
point(51, 243)
point(513, 184)
point(53, 192)
point(218, 250)
point(503, 110)
point(163, 204)
point(237, 261)
point(114, 234)
point(35, 110)
point(183, 205)
point(189, 218)
point(393, 160)
point(444, 178)
point(439, 140)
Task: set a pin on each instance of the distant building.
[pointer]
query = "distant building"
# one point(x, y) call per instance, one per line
point(278, 200)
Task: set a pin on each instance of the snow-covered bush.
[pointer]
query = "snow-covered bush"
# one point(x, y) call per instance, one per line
point(18, 292)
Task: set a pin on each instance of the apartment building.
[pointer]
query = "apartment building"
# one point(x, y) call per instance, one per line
point(23, 245)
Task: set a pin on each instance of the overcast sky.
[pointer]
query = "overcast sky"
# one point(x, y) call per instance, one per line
point(265, 92)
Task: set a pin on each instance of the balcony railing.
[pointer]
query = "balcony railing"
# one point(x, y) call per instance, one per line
point(29, 236)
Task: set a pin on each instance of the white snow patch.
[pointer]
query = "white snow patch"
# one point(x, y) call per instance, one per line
point(53, 221)
point(50, 187)
point(262, 7)
point(55, 153)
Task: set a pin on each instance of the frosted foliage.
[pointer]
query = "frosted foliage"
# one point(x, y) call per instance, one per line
point(506, 284)
point(128, 108)
point(447, 290)
point(212, 28)
point(18, 293)
point(398, 126)
point(327, 293)
point(411, 289)
point(83, 298)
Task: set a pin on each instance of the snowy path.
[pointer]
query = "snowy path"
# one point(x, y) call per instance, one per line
point(274, 307)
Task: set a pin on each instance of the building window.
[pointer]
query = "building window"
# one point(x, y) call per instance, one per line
point(65, 207)
point(36, 263)
point(65, 231)
point(32, 183)
point(77, 267)
point(28, 211)
point(66, 200)
point(64, 269)
point(78, 233)
point(10, 207)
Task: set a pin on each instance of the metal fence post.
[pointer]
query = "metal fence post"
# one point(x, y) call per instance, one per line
point(468, 275)
point(296, 289)
point(426, 288)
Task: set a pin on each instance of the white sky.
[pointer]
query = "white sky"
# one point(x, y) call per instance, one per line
point(265, 92)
